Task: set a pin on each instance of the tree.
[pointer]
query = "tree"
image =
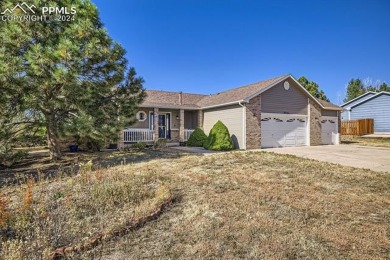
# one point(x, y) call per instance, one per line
point(219, 138)
point(384, 87)
point(313, 88)
point(355, 88)
point(67, 76)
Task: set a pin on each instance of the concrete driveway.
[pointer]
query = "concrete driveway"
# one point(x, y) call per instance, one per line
point(374, 158)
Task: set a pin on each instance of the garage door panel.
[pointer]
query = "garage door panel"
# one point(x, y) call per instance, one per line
point(329, 130)
point(283, 131)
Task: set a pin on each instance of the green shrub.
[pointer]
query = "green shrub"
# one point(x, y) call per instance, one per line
point(140, 145)
point(197, 138)
point(219, 138)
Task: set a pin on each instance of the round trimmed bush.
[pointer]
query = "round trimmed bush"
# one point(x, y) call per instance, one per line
point(197, 138)
point(219, 138)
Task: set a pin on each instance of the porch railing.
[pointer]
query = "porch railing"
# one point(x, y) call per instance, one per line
point(137, 135)
point(187, 133)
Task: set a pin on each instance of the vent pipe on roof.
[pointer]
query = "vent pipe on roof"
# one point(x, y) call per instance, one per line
point(180, 98)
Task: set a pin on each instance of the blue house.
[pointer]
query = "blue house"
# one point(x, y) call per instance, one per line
point(370, 105)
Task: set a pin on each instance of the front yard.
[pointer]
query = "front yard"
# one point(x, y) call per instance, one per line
point(365, 141)
point(230, 205)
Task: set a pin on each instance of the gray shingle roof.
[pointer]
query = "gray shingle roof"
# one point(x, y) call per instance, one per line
point(238, 94)
point(170, 99)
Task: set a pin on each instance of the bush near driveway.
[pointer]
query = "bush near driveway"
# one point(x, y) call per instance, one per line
point(197, 138)
point(219, 138)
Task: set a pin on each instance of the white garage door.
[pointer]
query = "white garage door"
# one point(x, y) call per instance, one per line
point(329, 130)
point(283, 130)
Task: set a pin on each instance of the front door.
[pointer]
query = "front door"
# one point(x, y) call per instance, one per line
point(162, 126)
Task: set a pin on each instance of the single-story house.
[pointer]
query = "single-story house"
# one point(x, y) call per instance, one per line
point(277, 112)
point(370, 105)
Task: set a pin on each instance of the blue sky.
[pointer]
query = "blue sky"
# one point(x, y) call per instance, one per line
point(209, 46)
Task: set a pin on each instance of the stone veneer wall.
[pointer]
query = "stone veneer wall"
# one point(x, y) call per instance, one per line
point(175, 136)
point(200, 119)
point(315, 124)
point(253, 123)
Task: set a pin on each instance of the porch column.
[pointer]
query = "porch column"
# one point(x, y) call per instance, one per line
point(181, 128)
point(200, 119)
point(155, 123)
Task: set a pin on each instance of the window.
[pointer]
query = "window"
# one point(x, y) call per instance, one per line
point(141, 116)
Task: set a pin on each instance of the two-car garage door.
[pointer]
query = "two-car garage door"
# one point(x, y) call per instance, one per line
point(283, 130)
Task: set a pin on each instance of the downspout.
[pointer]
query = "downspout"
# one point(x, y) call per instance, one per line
point(308, 126)
point(243, 124)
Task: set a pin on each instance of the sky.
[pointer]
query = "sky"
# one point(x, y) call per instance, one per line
point(208, 46)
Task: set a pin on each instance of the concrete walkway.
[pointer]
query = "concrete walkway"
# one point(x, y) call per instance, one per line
point(374, 158)
point(378, 135)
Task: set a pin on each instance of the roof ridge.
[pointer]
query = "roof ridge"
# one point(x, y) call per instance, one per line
point(176, 92)
point(251, 84)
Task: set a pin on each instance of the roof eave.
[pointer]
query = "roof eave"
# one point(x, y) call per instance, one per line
point(356, 98)
point(169, 106)
point(225, 104)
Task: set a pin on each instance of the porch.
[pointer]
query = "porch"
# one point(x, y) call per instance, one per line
point(174, 125)
point(133, 135)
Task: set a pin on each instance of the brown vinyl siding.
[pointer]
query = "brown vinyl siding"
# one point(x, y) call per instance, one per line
point(281, 101)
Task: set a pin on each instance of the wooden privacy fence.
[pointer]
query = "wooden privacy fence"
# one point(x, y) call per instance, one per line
point(357, 127)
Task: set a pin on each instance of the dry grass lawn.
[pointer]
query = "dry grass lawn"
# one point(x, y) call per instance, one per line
point(244, 205)
point(365, 141)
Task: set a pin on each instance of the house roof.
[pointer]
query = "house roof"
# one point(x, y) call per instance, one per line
point(328, 105)
point(371, 98)
point(167, 99)
point(238, 94)
point(357, 98)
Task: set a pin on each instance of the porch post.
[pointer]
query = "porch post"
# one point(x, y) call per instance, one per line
point(155, 123)
point(200, 118)
point(181, 129)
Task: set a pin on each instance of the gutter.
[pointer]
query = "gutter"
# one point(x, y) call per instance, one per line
point(239, 102)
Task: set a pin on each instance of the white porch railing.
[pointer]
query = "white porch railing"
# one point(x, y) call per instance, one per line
point(187, 133)
point(137, 135)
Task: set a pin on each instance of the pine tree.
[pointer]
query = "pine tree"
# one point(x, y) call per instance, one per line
point(355, 88)
point(66, 76)
point(313, 88)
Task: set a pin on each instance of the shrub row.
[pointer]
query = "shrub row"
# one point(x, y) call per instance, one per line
point(218, 139)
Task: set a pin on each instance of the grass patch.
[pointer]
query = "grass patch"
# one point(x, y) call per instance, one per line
point(262, 205)
point(227, 205)
point(365, 141)
point(46, 215)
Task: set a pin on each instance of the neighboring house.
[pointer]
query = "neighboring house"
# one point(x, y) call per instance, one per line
point(273, 113)
point(370, 105)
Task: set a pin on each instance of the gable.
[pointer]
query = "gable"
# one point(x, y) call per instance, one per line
point(279, 100)
point(358, 99)
point(380, 100)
